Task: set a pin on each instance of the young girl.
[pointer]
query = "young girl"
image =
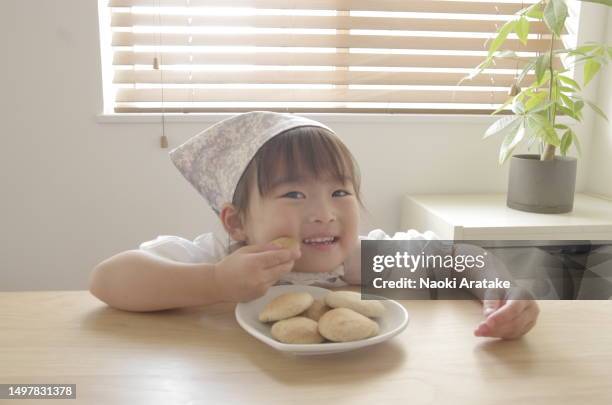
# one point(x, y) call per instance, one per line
point(266, 175)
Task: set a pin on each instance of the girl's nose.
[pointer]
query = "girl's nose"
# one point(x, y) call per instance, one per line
point(322, 212)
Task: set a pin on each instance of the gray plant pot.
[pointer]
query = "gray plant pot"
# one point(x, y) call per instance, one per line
point(541, 186)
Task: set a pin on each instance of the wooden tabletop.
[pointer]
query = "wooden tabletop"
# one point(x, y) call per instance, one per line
point(202, 356)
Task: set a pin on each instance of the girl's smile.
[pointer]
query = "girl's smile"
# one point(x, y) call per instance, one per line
point(321, 242)
point(322, 214)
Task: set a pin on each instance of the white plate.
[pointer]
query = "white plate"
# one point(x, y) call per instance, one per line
point(394, 320)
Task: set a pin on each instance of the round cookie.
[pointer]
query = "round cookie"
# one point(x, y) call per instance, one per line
point(316, 310)
point(286, 306)
point(297, 330)
point(352, 300)
point(285, 242)
point(346, 325)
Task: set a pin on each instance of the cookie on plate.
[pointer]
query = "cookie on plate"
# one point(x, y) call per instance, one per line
point(286, 306)
point(352, 300)
point(297, 330)
point(346, 325)
point(316, 310)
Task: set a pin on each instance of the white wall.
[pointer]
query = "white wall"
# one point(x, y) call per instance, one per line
point(600, 178)
point(76, 191)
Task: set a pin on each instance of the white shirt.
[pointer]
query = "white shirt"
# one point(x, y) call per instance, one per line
point(209, 248)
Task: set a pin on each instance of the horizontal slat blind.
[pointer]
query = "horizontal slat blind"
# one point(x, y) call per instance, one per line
point(312, 55)
point(330, 22)
point(459, 7)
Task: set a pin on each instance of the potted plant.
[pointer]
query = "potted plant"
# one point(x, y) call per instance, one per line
point(543, 182)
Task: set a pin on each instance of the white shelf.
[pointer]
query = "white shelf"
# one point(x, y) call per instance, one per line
point(486, 217)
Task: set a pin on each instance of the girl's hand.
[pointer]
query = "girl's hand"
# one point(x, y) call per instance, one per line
point(510, 317)
point(248, 272)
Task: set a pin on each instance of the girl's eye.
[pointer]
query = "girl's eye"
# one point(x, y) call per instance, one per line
point(294, 194)
point(341, 193)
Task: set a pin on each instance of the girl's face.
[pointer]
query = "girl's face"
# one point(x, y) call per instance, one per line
point(321, 214)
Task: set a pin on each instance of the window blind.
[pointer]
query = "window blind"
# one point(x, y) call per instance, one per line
point(367, 56)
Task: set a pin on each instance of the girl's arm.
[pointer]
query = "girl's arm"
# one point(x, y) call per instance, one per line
point(140, 281)
point(135, 280)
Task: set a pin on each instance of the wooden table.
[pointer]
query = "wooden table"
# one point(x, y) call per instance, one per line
point(202, 356)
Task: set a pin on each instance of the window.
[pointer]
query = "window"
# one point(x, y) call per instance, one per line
point(367, 56)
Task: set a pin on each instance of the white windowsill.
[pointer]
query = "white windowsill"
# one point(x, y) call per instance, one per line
point(330, 117)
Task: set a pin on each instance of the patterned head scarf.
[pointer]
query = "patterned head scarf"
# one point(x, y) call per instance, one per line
point(213, 160)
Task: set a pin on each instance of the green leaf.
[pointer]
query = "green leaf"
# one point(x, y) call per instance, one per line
point(535, 11)
point(561, 126)
point(501, 36)
point(541, 65)
point(556, 88)
point(604, 2)
point(587, 47)
point(578, 105)
point(477, 70)
point(567, 101)
point(503, 124)
point(588, 50)
point(543, 107)
point(535, 100)
point(503, 106)
point(510, 142)
point(526, 70)
point(567, 89)
point(551, 137)
point(517, 106)
point(576, 143)
point(599, 59)
point(522, 29)
point(568, 112)
point(566, 142)
point(570, 82)
point(597, 110)
point(531, 140)
point(506, 54)
point(555, 14)
point(543, 129)
point(591, 68)
point(599, 51)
